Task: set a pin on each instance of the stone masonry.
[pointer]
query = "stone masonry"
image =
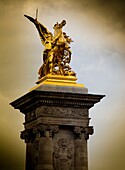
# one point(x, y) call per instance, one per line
point(56, 127)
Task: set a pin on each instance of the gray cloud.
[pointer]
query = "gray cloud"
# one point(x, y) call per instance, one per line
point(113, 10)
point(98, 58)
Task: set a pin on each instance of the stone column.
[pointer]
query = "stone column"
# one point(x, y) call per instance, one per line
point(45, 154)
point(80, 142)
point(79, 155)
point(56, 127)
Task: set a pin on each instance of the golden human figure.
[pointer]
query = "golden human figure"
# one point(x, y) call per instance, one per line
point(57, 54)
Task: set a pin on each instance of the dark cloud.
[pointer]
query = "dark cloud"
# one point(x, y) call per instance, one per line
point(112, 10)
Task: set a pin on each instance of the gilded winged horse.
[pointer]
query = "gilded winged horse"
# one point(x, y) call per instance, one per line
point(57, 54)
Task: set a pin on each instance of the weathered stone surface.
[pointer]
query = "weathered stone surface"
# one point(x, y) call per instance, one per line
point(64, 89)
point(56, 127)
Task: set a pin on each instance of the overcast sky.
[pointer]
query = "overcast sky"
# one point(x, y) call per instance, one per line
point(98, 58)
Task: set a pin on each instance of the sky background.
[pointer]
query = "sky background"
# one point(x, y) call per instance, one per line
point(98, 57)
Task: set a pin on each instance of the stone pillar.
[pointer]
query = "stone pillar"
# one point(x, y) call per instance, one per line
point(80, 144)
point(56, 126)
point(45, 154)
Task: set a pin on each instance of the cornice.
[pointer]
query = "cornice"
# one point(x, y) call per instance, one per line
point(35, 98)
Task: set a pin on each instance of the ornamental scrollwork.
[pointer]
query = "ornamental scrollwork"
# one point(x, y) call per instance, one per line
point(40, 130)
point(59, 112)
point(86, 131)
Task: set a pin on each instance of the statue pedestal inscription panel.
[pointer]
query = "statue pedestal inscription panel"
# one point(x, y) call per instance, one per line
point(56, 127)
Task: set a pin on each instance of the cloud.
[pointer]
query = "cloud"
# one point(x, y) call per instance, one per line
point(112, 10)
point(97, 28)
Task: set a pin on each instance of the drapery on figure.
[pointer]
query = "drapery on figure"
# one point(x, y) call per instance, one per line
point(57, 54)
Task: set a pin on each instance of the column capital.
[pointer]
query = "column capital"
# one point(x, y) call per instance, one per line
point(40, 130)
point(79, 130)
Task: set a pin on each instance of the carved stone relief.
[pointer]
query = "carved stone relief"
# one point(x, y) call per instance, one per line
point(30, 116)
point(61, 112)
point(88, 131)
point(78, 131)
point(27, 135)
point(63, 155)
point(40, 130)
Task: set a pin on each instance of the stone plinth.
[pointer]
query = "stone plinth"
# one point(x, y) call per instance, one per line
point(56, 126)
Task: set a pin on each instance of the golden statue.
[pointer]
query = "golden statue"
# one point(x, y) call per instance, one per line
point(57, 54)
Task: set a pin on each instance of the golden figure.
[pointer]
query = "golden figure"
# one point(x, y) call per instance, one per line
point(57, 54)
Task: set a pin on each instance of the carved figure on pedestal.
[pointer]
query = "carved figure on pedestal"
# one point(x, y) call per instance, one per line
point(63, 155)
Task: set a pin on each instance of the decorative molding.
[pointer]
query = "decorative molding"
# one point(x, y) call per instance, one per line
point(40, 130)
point(61, 112)
point(30, 116)
point(27, 135)
point(36, 98)
point(88, 131)
point(78, 131)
